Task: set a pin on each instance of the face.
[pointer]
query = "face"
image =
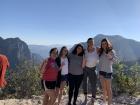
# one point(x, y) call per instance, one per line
point(65, 51)
point(79, 49)
point(90, 43)
point(104, 44)
point(54, 53)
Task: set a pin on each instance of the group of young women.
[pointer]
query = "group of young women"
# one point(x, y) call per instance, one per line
point(71, 68)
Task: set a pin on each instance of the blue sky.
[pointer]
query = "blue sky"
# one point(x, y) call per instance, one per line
point(68, 21)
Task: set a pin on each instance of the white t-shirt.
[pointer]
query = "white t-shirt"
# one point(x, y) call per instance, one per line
point(64, 70)
point(91, 58)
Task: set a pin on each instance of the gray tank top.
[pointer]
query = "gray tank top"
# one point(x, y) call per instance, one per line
point(75, 64)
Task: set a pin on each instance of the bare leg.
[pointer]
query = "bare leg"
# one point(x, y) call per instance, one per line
point(45, 99)
point(61, 91)
point(57, 92)
point(103, 84)
point(109, 91)
point(52, 95)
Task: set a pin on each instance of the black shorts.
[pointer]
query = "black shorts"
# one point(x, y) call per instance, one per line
point(64, 77)
point(46, 85)
point(105, 74)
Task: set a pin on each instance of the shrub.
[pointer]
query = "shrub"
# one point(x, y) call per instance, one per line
point(126, 79)
point(24, 81)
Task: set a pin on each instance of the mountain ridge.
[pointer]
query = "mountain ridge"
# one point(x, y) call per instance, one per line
point(119, 43)
point(17, 51)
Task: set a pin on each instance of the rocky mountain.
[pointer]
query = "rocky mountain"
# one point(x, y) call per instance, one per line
point(36, 58)
point(16, 50)
point(127, 50)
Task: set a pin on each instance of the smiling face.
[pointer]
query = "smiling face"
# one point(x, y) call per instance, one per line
point(90, 43)
point(104, 45)
point(79, 50)
point(54, 54)
point(65, 51)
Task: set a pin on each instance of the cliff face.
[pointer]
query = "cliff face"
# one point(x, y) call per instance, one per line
point(15, 49)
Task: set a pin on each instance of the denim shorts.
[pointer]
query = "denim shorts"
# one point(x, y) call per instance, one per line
point(106, 75)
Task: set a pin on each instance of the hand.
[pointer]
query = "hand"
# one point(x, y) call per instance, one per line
point(63, 63)
point(41, 74)
point(109, 55)
point(83, 66)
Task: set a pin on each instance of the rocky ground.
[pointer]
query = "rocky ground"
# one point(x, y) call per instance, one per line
point(37, 100)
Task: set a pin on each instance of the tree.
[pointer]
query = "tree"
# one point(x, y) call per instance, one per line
point(126, 79)
point(25, 80)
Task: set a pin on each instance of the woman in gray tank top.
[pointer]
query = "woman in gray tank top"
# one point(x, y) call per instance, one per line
point(75, 70)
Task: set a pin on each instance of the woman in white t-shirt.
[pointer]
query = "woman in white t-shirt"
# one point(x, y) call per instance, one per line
point(91, 59)
point(62, 80)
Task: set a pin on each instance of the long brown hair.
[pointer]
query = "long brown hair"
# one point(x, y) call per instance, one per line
point(109, 47)
point(61, 51)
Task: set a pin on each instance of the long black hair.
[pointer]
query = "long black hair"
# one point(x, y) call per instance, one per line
point(75, 50)
point(109, 47)
point(61, 51)
point(53, 50)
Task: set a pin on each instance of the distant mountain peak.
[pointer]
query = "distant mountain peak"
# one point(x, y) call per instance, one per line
point(15, 39)
point(107, 36)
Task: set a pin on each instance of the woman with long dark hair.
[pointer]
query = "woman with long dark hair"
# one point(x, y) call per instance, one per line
point(63, 75)
point(75, 72)
point(106, 58)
